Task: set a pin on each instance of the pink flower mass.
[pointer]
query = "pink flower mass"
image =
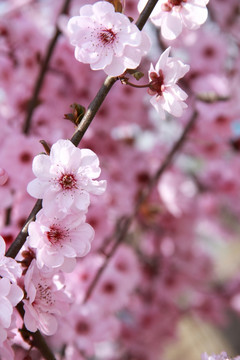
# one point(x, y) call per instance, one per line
point(119, 194)
point(106, 39)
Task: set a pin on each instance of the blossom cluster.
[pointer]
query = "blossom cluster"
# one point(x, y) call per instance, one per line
point(164, 268)
point(64, 181)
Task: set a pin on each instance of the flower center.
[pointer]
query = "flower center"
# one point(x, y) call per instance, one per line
point(44, 294)
point(55, 234)
point(82, 327)
point(157, 83)
point(107, 36)
point(68, 182)
point(171, 3)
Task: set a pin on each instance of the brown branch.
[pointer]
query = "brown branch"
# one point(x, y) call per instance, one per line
point(92, 110)
point(123, 225)
point(42, 73)
point(21, 237)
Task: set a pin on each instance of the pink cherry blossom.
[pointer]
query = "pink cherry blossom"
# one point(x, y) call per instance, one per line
point(45, 301)
point(9, 268)
point(65, 177)
point(59, 240)
point(87, 325)
point(10, 296)
point(173, 15)
point(10, 293)
point(106, 39)
point(167, 95)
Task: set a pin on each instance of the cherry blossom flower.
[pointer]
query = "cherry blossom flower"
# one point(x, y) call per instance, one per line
point(10, 296)
point(88, 325)
point(9, 268)
point(168, 95)
point(59, 240)
point(10, 293)
point(65, 178)
point(106, 39)
point(45, 301)
point(173, 15)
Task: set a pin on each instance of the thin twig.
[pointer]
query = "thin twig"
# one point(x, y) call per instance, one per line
point(42, 72)
point(21, 237)
point(143, 17)
point(92, 110)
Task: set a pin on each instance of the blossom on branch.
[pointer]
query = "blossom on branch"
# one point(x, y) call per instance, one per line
point(45, 300)
point(173, 15)
point(106, 39)
point(64, 179)
point(60, 240)
point(167, 95)
point(10, 294)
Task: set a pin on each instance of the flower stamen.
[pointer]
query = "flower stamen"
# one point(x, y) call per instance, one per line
point(107, 36)
point(68, 182)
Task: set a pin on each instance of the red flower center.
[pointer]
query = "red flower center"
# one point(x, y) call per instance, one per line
point(171, 3)
point(107, 36)
point(55, 234)
point(157, 83)
point(68, 182)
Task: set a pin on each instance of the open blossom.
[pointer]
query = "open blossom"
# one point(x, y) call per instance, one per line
point(9, 268)
point(10, 293)
point(60, 240)
point(166, 94)
point(106, 39)
point(173, 15)
point(10, 296)
point(65, 178)
point(45, 301)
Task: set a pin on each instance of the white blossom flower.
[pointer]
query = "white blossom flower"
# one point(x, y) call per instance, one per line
point(58, 241)
point(10, 293)
point(45, 301)
point(9, 268)
point(173, 15)
point(166, 94)
point(65, 178)
point(106, 39)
